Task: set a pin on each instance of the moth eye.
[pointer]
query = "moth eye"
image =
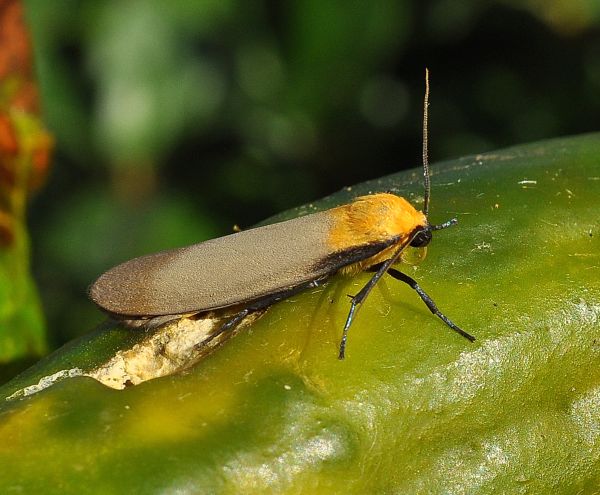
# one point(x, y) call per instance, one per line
point(422, 238)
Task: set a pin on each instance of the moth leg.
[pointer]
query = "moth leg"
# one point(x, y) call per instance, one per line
point(232, 322)
point(144, 323)
point(262, 305)
point(412, 283)
point(356, 301)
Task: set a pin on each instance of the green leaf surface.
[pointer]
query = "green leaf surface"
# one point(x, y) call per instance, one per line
point(22, 327)
point(414, 408)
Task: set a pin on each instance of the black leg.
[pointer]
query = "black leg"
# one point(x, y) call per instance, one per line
point(359, 298)
point(263, 304)
point(230, 324)
point(398, 275)
point(233, 322)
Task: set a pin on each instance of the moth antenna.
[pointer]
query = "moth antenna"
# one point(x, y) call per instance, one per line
point(426, 181)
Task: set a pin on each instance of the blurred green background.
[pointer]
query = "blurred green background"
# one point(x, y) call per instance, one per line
point(176, 120)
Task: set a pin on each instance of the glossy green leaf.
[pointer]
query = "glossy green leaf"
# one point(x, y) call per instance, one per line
point(414, 408)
